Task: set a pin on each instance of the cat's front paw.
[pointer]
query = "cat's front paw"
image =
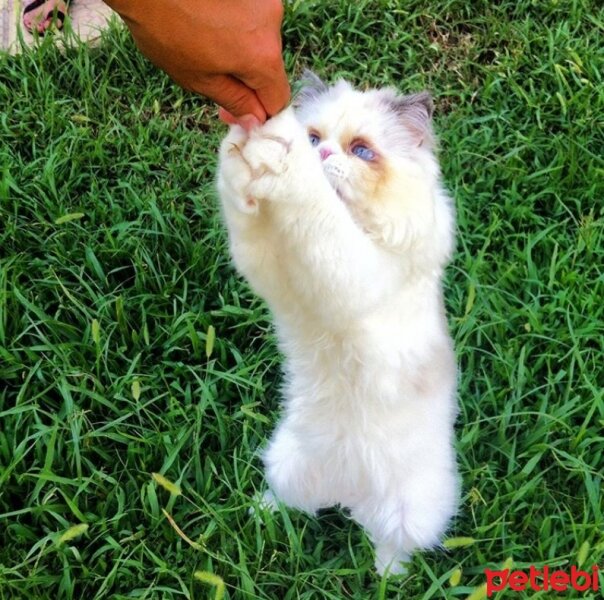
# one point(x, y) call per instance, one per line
point(234, 173)
point(268, 163)
point(272, 154)
point(266, 154)
point(267, 158)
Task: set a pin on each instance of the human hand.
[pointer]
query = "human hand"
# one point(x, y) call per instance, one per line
point(227, 50)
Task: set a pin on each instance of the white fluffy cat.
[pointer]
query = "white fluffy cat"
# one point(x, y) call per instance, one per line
point(337, 218)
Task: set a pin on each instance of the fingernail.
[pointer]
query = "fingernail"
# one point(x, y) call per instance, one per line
point(226, 117)
point(248, 122)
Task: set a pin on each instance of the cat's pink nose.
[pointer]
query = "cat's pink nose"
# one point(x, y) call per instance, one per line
point(325, 152)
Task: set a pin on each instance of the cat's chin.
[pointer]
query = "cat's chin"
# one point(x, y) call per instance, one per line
point(340, 195)
point(338, 190)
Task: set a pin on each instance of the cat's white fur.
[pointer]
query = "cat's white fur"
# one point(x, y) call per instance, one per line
point(349, 256)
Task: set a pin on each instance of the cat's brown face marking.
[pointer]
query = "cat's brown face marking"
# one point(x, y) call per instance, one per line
point(351, 155)
point(367, 143)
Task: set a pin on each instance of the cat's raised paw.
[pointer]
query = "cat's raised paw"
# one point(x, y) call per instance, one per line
point(266, 157)
point(234, 174)
point(266, 154)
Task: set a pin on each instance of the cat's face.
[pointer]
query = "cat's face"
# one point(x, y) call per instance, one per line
point(366, 141)
point(348, 133)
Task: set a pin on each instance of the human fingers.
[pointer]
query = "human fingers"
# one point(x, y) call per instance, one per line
point(226, 117)
point(232, 95)
point(248, 122)
point(273, 91)
point(265, 71)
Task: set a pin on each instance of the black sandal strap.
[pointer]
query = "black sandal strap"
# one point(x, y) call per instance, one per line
point(35, 4)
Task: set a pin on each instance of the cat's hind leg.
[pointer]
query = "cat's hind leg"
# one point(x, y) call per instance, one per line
point(412, 517)
point(295, 475)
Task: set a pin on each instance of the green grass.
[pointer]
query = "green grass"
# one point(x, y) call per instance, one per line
point(114, 269)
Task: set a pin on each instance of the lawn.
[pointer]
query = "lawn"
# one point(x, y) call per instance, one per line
point(128, 345)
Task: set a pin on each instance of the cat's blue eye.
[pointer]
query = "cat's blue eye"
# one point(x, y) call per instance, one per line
point(314, 139)
point(363, 152)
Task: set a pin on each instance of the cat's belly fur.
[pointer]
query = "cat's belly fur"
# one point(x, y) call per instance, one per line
point(365, 406)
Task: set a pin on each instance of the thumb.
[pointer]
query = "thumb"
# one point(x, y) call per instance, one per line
point(232, 95)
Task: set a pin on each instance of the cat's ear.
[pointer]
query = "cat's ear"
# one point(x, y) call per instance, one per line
point(415, 113)
point(311, 87)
